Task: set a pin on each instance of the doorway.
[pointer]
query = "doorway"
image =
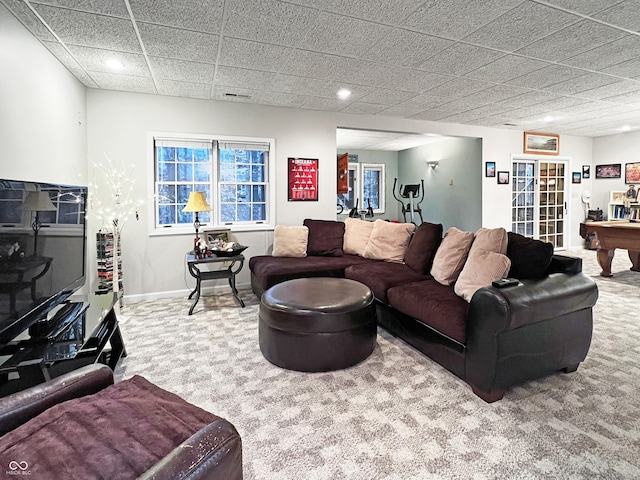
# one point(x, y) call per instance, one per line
point(539, 199)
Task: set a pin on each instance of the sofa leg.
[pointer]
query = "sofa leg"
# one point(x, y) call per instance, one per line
point(571, 368)
point(488, 397)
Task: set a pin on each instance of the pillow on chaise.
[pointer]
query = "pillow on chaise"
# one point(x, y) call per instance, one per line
point(422, 247)
point(529, 258)
point(388, 241)
point(481, 268)
point(290, 241)
point(356, 236)
point(451, 255)
point(325, 237)
point(492, 239)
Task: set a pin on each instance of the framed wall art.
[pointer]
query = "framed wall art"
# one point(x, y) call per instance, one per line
point(632, 172)
point(586, 171)
point(303, 179)
point(489, 169)
point(541, 143)
point(503, 178)
point(611, 170)
point(576, 177)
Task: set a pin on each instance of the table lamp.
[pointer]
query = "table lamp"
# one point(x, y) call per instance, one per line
point(197, 203)
point(37, 202)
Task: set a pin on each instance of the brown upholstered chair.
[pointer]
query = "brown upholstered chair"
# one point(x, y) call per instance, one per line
point(82, 425)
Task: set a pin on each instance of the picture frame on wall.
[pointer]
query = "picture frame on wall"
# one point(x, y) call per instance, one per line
point(303, 179)
point(576, 177)
point(586, 171)
point(489, 169)
point(632, 172)
point(541, 143)
point(609, 170)
point(503, 178)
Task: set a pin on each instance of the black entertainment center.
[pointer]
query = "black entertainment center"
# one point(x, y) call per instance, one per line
point(46, 327)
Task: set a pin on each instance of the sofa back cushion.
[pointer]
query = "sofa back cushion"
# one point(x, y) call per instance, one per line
point(356, 236)
point(389, 241)
point(481, 268)
point(325, 237)
point(290, 241)
point(451, 255)
point(423, 246)
point(492, 239)
point(529, 258)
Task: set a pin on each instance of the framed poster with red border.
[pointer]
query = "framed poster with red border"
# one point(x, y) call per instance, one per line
point(303, 179)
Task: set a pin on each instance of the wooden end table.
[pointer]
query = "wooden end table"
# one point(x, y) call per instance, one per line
point(236, 263)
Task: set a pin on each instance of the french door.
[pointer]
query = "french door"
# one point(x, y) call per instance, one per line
point(539, 199)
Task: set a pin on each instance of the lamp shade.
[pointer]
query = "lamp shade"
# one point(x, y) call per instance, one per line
point(197, 203)
point(37, 202)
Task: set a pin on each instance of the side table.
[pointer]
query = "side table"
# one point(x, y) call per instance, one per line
point(236, 263)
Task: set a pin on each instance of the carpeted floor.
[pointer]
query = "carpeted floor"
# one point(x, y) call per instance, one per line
point(398, 415)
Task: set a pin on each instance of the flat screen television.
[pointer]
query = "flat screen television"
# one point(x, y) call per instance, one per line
point(43, 242)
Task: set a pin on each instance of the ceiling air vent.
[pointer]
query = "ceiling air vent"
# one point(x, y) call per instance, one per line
point(236, 95)
point(509, 124)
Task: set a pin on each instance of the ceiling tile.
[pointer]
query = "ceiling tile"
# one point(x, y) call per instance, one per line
point(362, 108)
point(546, 76)
point(604, 56)
point(170, 42)
point(84, 77)
point(388, 97)
point(189, 14)
point(576, 85)
point(243, 78)
point(282, 99)
point(606, 91)
point(585, 7)
point(521, 26)
point(183, 89)
point(569, 41)
point(300, 85)
point(425, 101)
point(457, 18)
point(529, 99)
point(280, 23)
point(625, 98)
point(90, 30)
point(238, 95)
point(400, 111)
point(402, 47)
point(325, 104)
point(496, 93)
point(341, 35)
point(411, 80)
point(506, 68)
point(63, 55)
point(114, 8)
point(433, 115)
point(29, 19)
point(127, 83)
point(625, 14)
point(459, 87)
point(382, 11)
point(180, 70)
point(628, 69)
point(247, 54)
point(459, 59)
point(94, 59)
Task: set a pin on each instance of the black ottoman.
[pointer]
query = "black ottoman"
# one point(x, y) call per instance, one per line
point(317, 324)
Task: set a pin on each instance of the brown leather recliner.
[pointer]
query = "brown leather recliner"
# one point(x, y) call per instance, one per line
point(186, 443)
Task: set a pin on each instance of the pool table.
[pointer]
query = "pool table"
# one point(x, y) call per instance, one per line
point(607, 236)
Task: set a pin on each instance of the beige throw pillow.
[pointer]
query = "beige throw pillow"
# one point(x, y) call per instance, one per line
point(451, 255)
point(356, 236)
point(482, 268)
point(389, 241)
point(492, 239)
point(290, 241)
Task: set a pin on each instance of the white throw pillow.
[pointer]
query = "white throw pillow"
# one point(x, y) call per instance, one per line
point(482, 268)
point(356, 236)
point(389, 241)
point(451, 255)
point(290, 241)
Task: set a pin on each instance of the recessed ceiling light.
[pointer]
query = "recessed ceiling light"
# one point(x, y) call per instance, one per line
point(548, 118)
point(114, 64)
point(343, 94)
point(625, 128)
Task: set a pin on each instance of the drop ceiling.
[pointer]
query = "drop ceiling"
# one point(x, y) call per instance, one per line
point(561, 66)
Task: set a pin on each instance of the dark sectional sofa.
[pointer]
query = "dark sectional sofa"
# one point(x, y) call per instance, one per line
point(499, 339)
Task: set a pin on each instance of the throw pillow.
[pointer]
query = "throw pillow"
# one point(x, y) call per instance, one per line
point(492, 239)
point(356, 236)
point(529, 258)
point(481, 268)
point(388, 241)
point(423, 246)
point(290, 241)
point(325, 237)
point(451, 255)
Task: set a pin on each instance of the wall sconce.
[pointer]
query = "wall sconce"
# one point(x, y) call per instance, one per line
point(433, 165)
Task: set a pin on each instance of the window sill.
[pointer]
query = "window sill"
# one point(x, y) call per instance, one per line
point(162, 232)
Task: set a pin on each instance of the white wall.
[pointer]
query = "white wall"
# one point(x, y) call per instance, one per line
point(42, 111)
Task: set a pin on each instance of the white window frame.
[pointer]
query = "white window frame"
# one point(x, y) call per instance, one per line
point(268, 224)
point(379, 167)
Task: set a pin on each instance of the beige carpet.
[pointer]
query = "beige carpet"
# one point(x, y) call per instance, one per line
point(398, 415)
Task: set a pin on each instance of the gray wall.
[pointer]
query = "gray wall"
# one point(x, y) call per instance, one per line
point(460, 162)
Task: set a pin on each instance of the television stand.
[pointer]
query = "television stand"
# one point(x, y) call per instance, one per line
point(84, 330)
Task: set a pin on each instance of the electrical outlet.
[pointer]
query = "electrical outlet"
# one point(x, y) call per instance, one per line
point(451, 181)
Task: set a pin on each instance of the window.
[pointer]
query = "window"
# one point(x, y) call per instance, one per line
point(233, 173)
point(366, 187)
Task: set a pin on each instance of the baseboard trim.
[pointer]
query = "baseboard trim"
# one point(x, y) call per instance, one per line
point(143, 297)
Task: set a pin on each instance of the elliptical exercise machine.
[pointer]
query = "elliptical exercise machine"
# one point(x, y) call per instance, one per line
point(410, 192)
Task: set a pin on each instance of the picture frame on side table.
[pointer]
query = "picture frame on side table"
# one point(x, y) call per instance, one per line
point(215, 234)
point(610, 170)
point(541, 143)
point(576, 177)
point(632, 172)
point(503, 178)
point(489, 169)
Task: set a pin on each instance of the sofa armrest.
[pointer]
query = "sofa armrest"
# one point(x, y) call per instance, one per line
point(20, 407)
point(214, 451)
point(564, 264)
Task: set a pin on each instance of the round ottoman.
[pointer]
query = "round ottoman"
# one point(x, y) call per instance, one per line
point(317, 324)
